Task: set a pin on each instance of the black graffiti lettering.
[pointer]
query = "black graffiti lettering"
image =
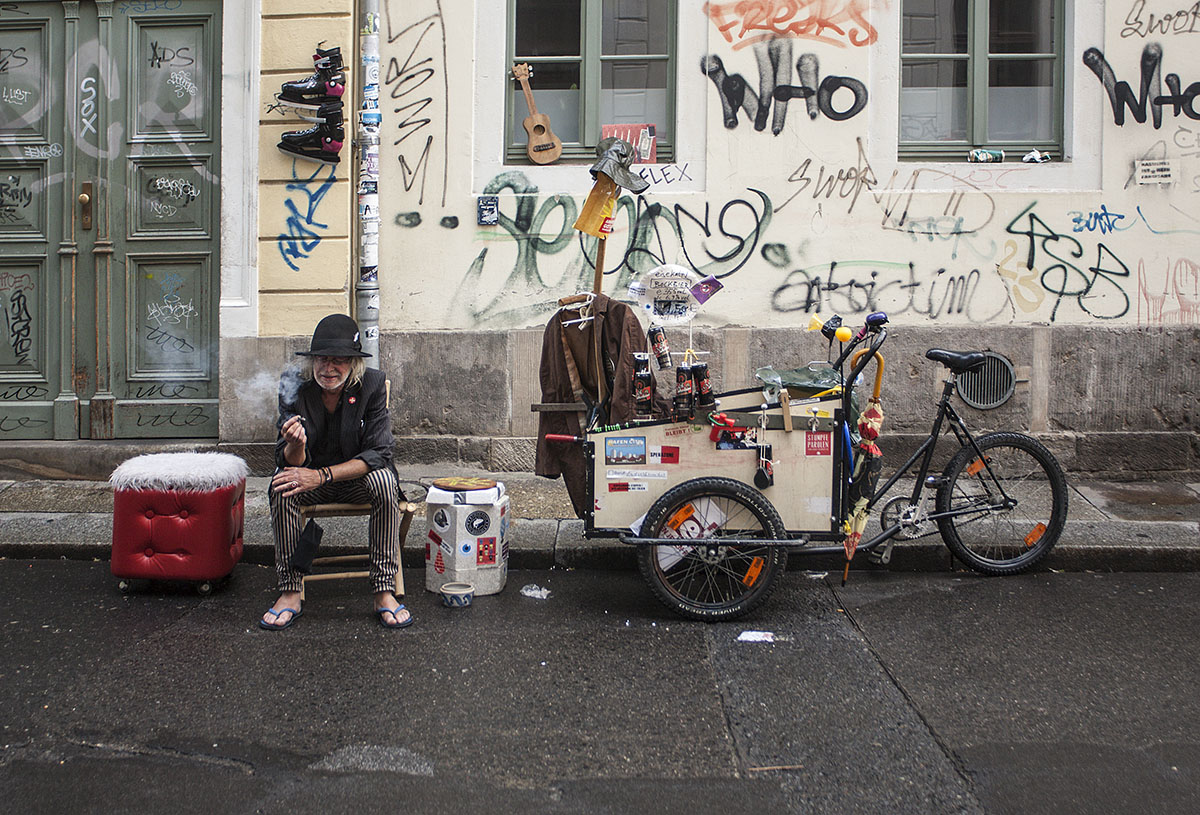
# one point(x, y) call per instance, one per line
point(773, 71)
point(12, 8)
point(20, 393)
point(9, 424)
point(1097, 292)
point(162, 56)
point(12, 58)
point(169, 341)
point(846, 182)
point(18, 319)
point(1120, 95)
point(164, 390)
point(1179, 22)
point(191, 417)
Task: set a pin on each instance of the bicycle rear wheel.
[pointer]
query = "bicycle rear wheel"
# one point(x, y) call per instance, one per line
point(701, 578)
point(1009, 507)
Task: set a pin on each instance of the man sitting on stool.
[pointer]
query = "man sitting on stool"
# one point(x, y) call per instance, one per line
point(335, 446)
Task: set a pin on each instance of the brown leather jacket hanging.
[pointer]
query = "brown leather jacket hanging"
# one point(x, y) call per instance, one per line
point(620, 337)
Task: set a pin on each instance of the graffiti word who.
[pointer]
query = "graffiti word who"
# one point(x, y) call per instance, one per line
point(1120, 95)
point(171, 311)
point(774, 71)
point(300, 237)
point(833, 22)
point(177, 58)
point(1178, 22)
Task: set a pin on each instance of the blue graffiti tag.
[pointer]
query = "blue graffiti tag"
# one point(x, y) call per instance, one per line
point(1102, 221)
point(300, 239)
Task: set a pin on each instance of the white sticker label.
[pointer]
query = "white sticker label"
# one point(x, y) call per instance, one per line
point(630, 475)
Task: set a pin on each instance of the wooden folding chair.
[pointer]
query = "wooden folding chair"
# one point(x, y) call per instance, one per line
point(407, 510)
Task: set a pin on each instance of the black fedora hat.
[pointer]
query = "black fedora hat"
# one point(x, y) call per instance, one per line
point(335, 336)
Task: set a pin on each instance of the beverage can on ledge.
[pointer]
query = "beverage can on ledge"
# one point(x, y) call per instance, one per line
point(982, 154)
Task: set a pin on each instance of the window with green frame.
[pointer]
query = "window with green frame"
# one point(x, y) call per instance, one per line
point(982, 73)
point(594, 63)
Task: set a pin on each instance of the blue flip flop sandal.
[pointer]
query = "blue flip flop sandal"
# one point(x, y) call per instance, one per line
point(276, 614)
point(392, 611)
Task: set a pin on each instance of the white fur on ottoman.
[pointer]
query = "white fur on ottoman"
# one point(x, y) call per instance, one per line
point(178, 516)
point(179, 471)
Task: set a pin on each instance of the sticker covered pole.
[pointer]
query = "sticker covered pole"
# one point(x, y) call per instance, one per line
point(369, 120)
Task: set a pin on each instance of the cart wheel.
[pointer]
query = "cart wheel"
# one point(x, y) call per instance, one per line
point(701, 578)
point(205, 588)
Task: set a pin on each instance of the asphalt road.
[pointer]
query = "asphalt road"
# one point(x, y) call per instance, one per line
point(900, 693)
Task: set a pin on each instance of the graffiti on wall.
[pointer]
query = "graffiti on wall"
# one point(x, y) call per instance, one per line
point(14, 293)
point(1177, 301)
point(833, 22)
point(302, 232)
point(1120, 94)
point(714, 240)
point(1140, 23)
point(774, 71)
point(416, 82)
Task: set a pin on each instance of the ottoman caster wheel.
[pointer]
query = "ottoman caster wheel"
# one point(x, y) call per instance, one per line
point(205, 588)
point(125, 586)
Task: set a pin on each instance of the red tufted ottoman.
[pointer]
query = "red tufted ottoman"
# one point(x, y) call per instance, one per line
point(178, 516)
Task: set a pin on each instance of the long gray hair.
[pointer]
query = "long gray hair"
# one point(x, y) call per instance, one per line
point(358, 367)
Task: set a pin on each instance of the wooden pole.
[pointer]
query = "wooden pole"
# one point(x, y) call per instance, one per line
point(598, 283)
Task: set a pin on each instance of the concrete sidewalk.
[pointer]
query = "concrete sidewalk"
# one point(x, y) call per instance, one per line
point(1136, 526)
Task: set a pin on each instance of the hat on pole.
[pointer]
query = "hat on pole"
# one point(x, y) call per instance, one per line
point(616, 159)
point(335, 336)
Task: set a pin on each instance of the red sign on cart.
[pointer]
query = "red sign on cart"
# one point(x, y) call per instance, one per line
point(818, 444)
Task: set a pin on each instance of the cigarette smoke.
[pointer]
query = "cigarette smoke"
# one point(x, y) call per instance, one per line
point(289, 384)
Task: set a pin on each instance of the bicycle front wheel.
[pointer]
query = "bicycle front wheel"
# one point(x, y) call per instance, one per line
point(701, 577)
point(1006, 509)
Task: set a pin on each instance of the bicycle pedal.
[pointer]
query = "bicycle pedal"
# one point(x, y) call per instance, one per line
point(881, 557)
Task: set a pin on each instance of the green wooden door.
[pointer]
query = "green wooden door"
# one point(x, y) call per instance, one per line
point(109, 142)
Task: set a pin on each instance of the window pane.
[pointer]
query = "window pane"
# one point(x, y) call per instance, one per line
point(933, 100)
point(634, 27)
point(555, 87)
point(1021, 27)
point(547, 28)
point(935, 26)
point(635, 92)
point(1020, 100)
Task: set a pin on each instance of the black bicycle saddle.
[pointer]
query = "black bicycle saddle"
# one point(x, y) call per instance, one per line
point(957, 361)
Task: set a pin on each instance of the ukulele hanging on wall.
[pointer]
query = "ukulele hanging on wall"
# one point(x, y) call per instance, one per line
point(544, 147)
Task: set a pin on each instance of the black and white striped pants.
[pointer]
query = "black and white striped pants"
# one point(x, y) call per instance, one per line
point(380, 489)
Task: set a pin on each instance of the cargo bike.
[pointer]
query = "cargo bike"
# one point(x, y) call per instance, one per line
point(716, 500)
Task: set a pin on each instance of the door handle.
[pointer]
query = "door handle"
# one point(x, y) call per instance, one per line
point(85, 206)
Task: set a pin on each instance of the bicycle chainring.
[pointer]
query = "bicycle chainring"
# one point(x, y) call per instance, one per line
point(913, 520)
